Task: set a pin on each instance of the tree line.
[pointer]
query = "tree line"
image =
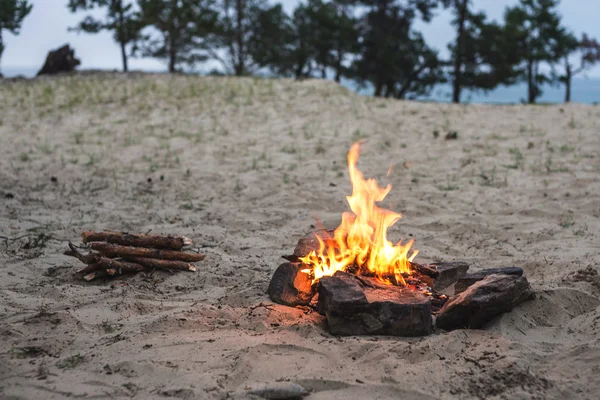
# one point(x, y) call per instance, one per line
point(369, 41)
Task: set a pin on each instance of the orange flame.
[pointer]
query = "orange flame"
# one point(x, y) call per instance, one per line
point(361, 239)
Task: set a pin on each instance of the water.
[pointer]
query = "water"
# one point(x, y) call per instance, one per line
point(583, 90)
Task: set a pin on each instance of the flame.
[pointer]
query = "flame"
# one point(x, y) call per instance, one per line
point(360, 242)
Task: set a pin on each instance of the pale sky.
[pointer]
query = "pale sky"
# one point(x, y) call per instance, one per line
point(45, 28)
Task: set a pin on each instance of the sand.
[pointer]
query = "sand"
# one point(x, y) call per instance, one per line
point(243, 167)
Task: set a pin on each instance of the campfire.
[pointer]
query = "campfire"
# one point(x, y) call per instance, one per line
point(363, 283)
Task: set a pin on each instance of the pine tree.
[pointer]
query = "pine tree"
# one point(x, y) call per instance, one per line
point(393, 57)
point(177, 30)
point(534, 36)
point(478, 56)
point(587, 49)
point(235, 33)
point(12, 14)
point(281, 43)
point(333, 34)
point(120, 19)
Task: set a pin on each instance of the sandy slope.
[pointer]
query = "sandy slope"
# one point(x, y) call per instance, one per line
point(242, 167)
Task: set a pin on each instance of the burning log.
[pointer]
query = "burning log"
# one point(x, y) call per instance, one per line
point(447, 273)
point(291, 285)
point(484, 300)
point(310, 242)
point(354, 309)
point(469, 279)
point(425, 271)
point(137, 240)
point(114, 251)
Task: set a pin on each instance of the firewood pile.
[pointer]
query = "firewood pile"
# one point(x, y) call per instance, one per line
point(118, 253)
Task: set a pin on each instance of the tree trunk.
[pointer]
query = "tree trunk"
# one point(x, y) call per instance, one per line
point(239, 38)
point(121, 35)
point(172, 53)
point(323, 72)
point(530, 83)
point(568, 77)
point(338, 71)
point(458, 56)
point(378, 87)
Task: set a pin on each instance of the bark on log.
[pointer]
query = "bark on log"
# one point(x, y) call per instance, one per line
point(310, 242)
point(97, 262)
point(137, 240)
point(354, 309)
point(484, 300)
point(469, 279)
point(290, 286)
point(114, 250)
point(161, 264)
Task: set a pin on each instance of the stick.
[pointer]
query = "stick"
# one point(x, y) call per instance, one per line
point(97, 262)
point(141, 240)
point(113, 250)
point(161, 264)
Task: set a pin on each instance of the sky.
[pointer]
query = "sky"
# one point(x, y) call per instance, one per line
point(45, 28)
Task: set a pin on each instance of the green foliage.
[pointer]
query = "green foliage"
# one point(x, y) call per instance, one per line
point(238, 25)
point(180, 30)
point(588, 51)
point(477, 56)
point(392, 56)
point(12, 14)
point(534, 36)
point(120, 19)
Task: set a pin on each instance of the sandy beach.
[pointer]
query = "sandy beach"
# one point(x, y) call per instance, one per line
point(243, 167)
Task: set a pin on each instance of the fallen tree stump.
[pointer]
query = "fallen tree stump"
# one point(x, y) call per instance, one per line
point(137, 240)
point(59, 60)
point(467, 280)
point(483, 301)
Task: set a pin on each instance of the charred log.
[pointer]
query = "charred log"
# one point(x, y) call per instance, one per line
point(310, 242)
point(352, 308)
point(291, 286)
point(484, 300)
point(447, 274)
point(469, 279)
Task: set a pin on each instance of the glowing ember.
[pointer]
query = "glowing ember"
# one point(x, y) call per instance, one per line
point(360, 242)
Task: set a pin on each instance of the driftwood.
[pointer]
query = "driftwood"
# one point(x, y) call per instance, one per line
point(96, 262)
point(137, 240)
point(114, 250)
point(161, 264)
point(59, 60)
